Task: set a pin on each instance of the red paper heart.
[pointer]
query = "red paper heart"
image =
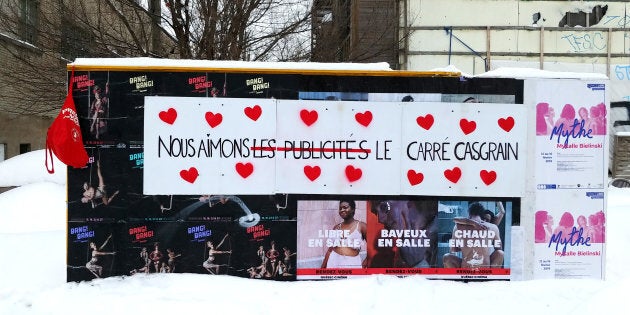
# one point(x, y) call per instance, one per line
point(253, 112)
point(425, 121)
point(168, 116)
point(506, 123)
point(353, 174)
point(312, 172)
point(414, 178)
point(244, 169)
point(308, 117)
point(488, 177)
point(453, 175)
point(214, 119)
point(467, 126)
point(364, 118)
point(189, 175)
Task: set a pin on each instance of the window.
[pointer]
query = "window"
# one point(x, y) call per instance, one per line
point(29, 20)
point(25, 147)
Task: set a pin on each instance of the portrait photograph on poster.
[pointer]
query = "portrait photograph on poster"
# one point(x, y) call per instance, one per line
point(94, 251)
point(98, 192)
point(440, 238)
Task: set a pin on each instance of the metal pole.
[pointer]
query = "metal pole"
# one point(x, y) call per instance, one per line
point(542, 47)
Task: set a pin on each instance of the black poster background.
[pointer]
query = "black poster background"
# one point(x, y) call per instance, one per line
point(171, 220)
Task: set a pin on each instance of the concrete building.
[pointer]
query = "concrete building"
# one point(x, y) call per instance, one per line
point(480, 35)
point(38, 38)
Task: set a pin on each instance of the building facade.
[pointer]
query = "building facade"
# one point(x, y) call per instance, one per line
point(481, 35)
point(38, 38)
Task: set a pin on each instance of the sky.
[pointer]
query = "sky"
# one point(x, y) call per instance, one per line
point(33, 273)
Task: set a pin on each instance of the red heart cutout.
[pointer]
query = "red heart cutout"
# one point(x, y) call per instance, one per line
point(506, 123)
point(467, 126)
point(488, 177)
point(312, 172)
point(168, 116)
point(364, 118)
point(253, 112)
point(214, 119)
point(189, 175)
point(414, 178)
point(308, 117)
point(244, 169)
point(425, 121)
point(453, 175)
point(352, 173)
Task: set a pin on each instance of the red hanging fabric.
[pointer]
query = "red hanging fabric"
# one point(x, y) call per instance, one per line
point(64, 136)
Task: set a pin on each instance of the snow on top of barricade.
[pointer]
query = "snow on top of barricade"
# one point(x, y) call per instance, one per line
point(228, 64)
point(526, 73)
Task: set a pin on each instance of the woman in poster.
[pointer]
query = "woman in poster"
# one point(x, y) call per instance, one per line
point(209, 264)
point(354, 232)
point(545, 116)
point(156, 257)
point(144, 256)
point(567, 118)
point(171, 259)
point(542, 228)
point(93, 265)
point(91, 194)
point(563, 232)
point(99, 111)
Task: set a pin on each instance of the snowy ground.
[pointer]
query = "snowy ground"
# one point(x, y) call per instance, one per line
point(33, 273)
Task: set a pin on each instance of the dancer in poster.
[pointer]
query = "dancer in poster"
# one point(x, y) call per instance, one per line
point(144, 256)
point(354, 234)
point(209, 264)
point(271, 261)
point(408, 215)
point(545, 119)
point(261, 254)
point(564, 230)
point(171, 259)
point(487, 216)
point(93, 265)
point(288, 265)
point(92, 194)
point(156, 257)
point(543, 227)
point(587, 231)
point(567, 118)
point(475, 242)
point(99, 109)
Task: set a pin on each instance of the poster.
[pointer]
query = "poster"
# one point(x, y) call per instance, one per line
point(232, 173)
point(261, 146)
point(571, 162)
point(432, 237)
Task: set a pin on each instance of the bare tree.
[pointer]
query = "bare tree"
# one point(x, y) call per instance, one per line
point(38, 44)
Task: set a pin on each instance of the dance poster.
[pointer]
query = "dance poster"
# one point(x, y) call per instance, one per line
point(571, 164)
point(94, 251)
point(331, 239)
point(571, 135)
point(437, 238)
point(98, 191)
point(570, 236)
point(284, 176)
point(262, 251)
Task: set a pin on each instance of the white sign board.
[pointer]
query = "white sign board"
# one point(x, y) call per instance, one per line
point(264, 146)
